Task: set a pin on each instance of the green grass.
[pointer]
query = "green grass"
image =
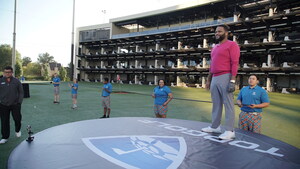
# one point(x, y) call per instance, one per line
point(280, 119)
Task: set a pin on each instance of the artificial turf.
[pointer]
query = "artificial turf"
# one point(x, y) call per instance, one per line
point(280, 119)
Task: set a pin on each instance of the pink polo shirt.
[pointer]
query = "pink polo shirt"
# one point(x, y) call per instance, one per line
point(225, 58)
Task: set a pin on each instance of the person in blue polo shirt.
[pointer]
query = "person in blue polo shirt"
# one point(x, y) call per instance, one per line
point(106, 90)
point(251, 100)
point(163, 96)
point(56, 83)
point(74, 89)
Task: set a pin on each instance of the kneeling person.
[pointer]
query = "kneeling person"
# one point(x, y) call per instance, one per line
point(252, 99)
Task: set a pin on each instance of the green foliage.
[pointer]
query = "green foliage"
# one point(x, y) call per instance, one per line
point(33, 78)
point(26, 60)
point(63, 74)
point(45, 58)
point(18, 66)
point(32, 69)
point(5, 55)
point(46, 74)
point(18, 69)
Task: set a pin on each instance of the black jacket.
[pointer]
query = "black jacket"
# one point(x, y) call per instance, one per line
point(11, 93)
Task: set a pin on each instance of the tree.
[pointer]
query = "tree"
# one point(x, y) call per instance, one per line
point(18, 69)
point(32, 69)
point(63, 74)
point(46, 76)
point(18, 66)
point(26, 60)
point(45, 58)
point(5, 59)
point(5, 55)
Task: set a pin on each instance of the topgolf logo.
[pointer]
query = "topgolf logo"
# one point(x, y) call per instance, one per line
point(140, 151)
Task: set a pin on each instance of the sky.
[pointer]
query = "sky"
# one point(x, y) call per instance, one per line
point(46, 25)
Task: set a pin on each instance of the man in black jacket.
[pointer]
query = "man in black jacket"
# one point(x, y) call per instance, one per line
point(11, 97)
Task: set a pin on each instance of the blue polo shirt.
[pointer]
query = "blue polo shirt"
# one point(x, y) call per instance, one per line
point(106, 86)
point(56, 79)
point(161, 94)
point(74, 91)
point(255, 95)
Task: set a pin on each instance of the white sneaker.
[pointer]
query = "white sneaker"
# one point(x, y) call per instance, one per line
point(2, 141)
point(227, 135)
point(211, 130)
point(18, 134)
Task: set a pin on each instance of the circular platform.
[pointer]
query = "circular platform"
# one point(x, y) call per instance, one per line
point(148, 143)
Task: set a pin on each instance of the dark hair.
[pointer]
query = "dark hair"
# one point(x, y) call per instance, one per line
point(162, 80)
point(8, 68)
point(106, 79)
point(226, 28)
point(255, 76)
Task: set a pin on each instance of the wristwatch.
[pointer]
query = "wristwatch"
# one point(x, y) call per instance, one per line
point(232, 81)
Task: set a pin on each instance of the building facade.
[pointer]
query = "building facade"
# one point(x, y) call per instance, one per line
point(175, 43)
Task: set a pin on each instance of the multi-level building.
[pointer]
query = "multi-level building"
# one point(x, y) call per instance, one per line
point(175, 43)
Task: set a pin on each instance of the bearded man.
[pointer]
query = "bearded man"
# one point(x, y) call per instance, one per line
point(221, 82)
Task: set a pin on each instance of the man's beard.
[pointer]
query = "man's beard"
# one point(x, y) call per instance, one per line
point(221, 37)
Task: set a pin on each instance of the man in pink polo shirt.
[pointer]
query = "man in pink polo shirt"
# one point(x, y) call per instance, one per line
point(221, 82)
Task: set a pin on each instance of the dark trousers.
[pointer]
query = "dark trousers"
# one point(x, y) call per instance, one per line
point(5, 119)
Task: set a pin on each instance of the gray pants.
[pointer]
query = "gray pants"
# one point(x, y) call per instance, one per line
point(220, 96)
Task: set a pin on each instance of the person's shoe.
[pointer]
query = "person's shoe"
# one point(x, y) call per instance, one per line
point(211, 130)
point(54, 102)
point(103, 117)
point(107, 116)
point(18, 134)
point(3, 141)
point(227, 135)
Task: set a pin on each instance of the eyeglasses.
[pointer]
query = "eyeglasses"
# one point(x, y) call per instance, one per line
point(7, 72)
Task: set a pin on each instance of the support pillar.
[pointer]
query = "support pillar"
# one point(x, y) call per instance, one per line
point(271, 11)
point(234, 38)
point(136, 63)
point(204, 63)
point(101, 78)
point(179, 45)
point(118, 64)
point(269, 85)
point(102, 64)
point(102, 50)
point(119, 50)
point(270, 36)
point(157, 46)
point(155, 80)
point(156, 63)
point(179, 63)
point(236, 16)
point(136, 81)
point(137, 48)
point(178, 81)
point(203, 82)
point(269, 62)
point(205, 43)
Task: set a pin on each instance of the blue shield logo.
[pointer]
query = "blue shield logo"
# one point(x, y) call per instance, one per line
point(145, 152)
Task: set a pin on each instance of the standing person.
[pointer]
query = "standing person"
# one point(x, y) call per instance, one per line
point(221, 82)
point(106, 91)
point(11, 97)
point(251, 100)
point(74, 89)
point(56, 83)
point(163, 96)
